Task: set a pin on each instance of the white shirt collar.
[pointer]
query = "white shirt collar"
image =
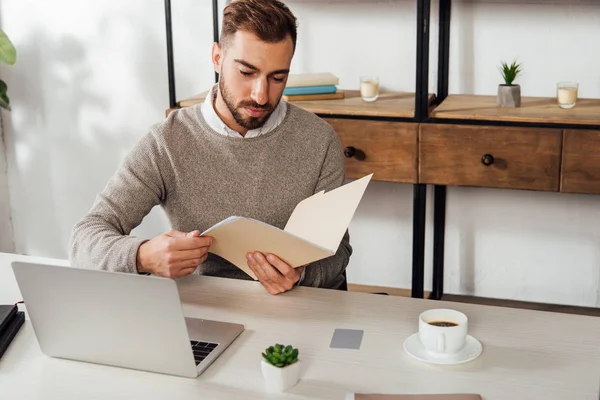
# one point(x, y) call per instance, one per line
point(215, 122)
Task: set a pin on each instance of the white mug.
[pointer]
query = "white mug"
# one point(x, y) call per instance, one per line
point(446, 338)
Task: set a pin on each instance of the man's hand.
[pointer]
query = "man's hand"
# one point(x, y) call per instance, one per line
point(275, 275)
point(173, 254)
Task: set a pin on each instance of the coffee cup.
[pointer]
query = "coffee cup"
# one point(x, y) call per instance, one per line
point(443, 331)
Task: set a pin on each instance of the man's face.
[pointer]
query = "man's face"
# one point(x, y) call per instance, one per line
point(253, 74)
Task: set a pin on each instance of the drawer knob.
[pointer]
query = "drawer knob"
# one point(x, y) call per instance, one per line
point(487, 159)
point(349, 151)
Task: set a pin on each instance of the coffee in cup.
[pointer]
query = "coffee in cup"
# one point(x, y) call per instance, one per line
point(443, 331)
point(443, 323)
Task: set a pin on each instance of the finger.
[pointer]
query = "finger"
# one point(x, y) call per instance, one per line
point(268, 271)
point(180, 273)
point(175, 233)
point(260, 275)
point(266, 284)
point(186, 264)
point(184, 255)
point(189, 243)
point(271, 289)
point(178, 234)
point(252, 265)
point(290, 273)
point(272, 275)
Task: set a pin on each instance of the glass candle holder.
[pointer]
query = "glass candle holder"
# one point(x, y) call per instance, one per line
point(369, 88)
point(566, 94)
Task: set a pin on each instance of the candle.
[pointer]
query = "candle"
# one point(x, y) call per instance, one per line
point(567, 94)
point(369, 88)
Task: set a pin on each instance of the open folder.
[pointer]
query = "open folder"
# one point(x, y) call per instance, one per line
point(313, 232)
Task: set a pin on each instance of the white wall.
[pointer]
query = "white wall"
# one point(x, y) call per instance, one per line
point(89, 83)
point(6, 233)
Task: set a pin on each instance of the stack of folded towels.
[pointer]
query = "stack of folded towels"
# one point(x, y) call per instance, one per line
point(312, 86)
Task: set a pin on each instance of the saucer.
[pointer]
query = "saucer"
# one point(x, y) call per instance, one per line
point(470, 351)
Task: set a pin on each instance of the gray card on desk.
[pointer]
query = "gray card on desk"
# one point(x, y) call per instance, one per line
point(346, 339)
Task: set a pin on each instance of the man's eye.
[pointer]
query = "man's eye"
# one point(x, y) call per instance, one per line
point(245, 73)
point(279, 80)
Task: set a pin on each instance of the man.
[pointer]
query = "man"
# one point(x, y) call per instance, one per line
point(242, 152)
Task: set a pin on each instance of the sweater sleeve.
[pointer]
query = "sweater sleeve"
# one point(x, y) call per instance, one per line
point(101, 240)
point(328, 272)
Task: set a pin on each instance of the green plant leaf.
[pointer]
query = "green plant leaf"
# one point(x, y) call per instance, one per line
point(8, 53)
point(510, 72)
point(4, 100)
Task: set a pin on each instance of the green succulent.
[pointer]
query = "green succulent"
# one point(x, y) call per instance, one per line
point(510, 71)
point(280, 355)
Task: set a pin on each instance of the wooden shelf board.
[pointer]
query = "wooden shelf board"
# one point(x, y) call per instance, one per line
point(532, 110)
point(389, 104)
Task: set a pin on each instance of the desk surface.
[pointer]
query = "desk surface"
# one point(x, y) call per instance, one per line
point(527, 354)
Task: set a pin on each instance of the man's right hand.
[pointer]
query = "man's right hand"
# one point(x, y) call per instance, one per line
point(173, 254)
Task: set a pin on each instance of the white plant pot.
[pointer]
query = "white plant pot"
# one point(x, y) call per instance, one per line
point(280, 379)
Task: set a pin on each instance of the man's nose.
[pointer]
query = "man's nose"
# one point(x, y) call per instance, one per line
point(260, 92)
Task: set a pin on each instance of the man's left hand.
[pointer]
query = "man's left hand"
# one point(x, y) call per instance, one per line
point(275, 275)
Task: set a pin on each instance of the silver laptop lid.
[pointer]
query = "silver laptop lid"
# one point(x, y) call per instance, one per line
point(117, 319)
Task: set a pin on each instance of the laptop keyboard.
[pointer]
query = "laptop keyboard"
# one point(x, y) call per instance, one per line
point(202, 350)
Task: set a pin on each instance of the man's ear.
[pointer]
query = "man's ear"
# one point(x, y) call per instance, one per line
point(217, 57)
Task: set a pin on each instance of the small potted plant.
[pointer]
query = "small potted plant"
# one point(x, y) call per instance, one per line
point(509, 94)
point(280, 367)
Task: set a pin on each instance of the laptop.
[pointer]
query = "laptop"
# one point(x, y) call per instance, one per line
point(118, 319)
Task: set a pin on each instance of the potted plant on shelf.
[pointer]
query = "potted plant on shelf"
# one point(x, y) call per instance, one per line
point(280, 367)
point(509, 94)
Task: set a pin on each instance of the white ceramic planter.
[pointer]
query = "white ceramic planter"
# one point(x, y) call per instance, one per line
point(280, 379)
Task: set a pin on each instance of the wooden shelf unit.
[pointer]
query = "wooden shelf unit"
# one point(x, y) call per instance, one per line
point(532, 110)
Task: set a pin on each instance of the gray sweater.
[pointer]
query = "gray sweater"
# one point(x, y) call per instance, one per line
point(200, 177)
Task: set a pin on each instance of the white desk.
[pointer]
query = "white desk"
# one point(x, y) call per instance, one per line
point(527, 354)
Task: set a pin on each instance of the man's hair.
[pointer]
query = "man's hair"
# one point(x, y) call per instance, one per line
point(270, 20)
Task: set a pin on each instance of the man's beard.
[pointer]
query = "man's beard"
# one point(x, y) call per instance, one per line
point(246, 122)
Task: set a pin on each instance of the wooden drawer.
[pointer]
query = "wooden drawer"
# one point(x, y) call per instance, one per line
point(386, 149)
point(514, 158)
point(581, 162)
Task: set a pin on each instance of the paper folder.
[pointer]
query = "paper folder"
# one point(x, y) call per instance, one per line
point(313, 232)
